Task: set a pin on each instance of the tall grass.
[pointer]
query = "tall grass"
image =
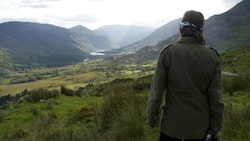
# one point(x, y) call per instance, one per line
point(236, 124)
point(232, 84)
point(121, 117)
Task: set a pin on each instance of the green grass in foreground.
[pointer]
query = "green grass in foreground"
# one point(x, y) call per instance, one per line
point(25, 113)
point(118, 114)
point(123, 122)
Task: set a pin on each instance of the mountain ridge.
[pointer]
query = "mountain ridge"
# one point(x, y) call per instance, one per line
point(34, 44)
point(230, 29)
point(219, 34)
point(38, 43)
point(90, 41)
point(42, 44)
point(123, 35)
point(166, 31)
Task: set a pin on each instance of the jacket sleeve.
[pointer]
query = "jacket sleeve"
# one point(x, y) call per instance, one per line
point(157, 89)
point(215, 98)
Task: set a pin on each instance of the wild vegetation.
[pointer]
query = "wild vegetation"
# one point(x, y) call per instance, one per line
point(103, 100)
point(118, 114)
point(237, 60)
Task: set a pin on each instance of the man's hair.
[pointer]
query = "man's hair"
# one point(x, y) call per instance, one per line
point(192, 25)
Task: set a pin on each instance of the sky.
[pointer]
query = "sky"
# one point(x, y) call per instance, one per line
point(96, 13)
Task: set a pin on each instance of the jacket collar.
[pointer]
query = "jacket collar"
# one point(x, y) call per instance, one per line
point(187, 40)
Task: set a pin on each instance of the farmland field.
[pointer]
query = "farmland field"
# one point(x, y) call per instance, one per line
point(95, 99)
point(73, 76)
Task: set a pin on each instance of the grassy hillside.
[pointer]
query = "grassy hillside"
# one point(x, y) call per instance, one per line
point(106, 100)
point(72, 76)
point(32, 44)
point(230, 29)
point(237, 60)
point(5, 61)
point(118, 114)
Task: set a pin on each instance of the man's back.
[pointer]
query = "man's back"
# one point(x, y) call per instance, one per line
point(191, 67)
point(189, 74)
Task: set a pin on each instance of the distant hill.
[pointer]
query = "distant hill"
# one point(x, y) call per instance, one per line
point(148, 54)
point(230, 29)
point(123, 35)
point(162, 33)
point(225, 31)
point(90, 41)
point(31, 44)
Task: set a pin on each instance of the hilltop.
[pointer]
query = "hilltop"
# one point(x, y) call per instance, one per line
point(28, 45)
point(230, 29)
point(223, 31)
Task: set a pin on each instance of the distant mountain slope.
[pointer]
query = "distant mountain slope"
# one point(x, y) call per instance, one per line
point(123, 35)
point(164, 32)
point(230, 29)
point(148, 54)
point(90, 41)
point(225, 31)
point(32, 43)
point(43, 44)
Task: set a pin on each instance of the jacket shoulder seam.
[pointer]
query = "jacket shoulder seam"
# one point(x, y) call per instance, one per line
point(215, 51)
point(167, 46)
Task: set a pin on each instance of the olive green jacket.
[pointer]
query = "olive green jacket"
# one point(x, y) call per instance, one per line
point(188, 76)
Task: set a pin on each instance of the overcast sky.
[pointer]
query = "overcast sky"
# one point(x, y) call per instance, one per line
point(96, 13)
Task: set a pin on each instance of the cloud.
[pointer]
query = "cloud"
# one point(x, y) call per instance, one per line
point(83, 18)
point(2, 20)
point(96, 13)
point(96, 0)
point(35, 3)
point(36, 6)
point(75, 18)
point(69, 21)
point(230, 3)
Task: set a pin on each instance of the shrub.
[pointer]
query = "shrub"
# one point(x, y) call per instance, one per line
point(16, 133)
point(2, 115)
point(110, 109)
point(36, 95)
point(126, 110)
point(34, 111)
point(141, 85)
point(128, 126)
point(66, 91)
point(21, 79)
point(232, 84)
point(44, 121)
point(84, 114)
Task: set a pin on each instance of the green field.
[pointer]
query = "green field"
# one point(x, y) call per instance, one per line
point(73, 76)
point(22, 114)
point(101, 100)
point(95, 117)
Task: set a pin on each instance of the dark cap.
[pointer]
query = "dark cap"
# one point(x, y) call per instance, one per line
point(192, 19)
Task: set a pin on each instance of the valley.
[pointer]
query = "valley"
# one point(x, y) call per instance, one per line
point(99, 97)
point(72, 76)
point(54, 84)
